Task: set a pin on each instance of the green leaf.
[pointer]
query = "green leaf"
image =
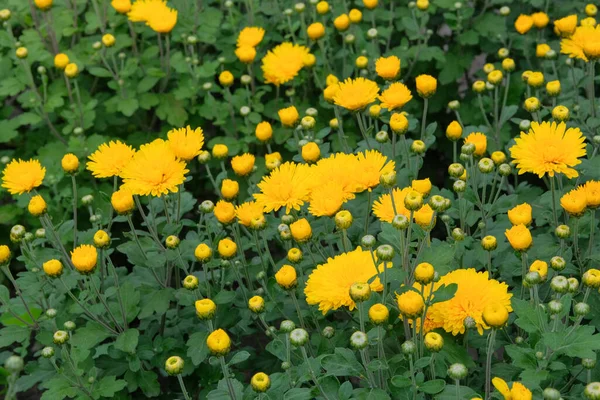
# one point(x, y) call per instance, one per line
point(89, 336)
point(342, 363)
point(100, 72)
point(432, 387)
point(581, 343)
point(444, 293)
point(401, 381)
point(197, 349)
point(522, 357)
point(109, 385)
point(12, 334)
point(298, 394)
point(239, 357)
point(127, 106)
point(128, 341)
point(157, 302)
point(58, 388)
point(527, 318)
point(8, 319)
point(147, 83)
point(224, 297)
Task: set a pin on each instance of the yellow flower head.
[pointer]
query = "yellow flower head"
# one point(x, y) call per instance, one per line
point(370, 4)
point(565, 27)
point(286, 186)
point(229, 189)
point(226, 78)
point(322, 7)
point(315, 31)
point(355, 16)
point(301, 230)
point(422, 186)
point(383, 208)
point(356, 94)
point(410, 304)
point(224, 212)
point(226, 248)
point(203, 252)
point(205, 308)
point(433, 341)
point(250, 36)
point(247, 212)
point(53, 268)
point(399, 123)
point(378, 313)
point(122, 201)
point(264, 131)
point(327, 170)
point(273, 160)
point(37, 206)
point(426, 85)
point(475, 291)
point(154, 170)
point(388, 67)
point(549, 148)
point(330, 92)
point(21, 176)
point(43, 4)
point(288, 116)
point(395, 96)
point(495, 315)
point(245, 54)
point(519, 237)
point(121, 6)
point(110, 159)
point(520, 214)
point(283, 63)
point(162, 19)
point(424, 217)
point(311, 152)
point(341, 22)
point(583, 44)
point(61, 60)
point(592, 194)
point(218, 342)
point(574, 202)
point(186, 142)
point(540, 19)
point(260, 382)
point(4, 254)
point(541, 267)
point(84, 258)
point(70, 163)
point(523, 24)
point(243, 165)
point(329, 284)
point(517, 392)
point(479, 140)
point(286, 277)
point(220, 151)
point(541, 50)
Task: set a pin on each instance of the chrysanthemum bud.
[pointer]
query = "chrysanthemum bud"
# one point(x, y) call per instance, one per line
point(592, 391)
point(388, 179)
point(573, 285)
point(418, 147)
point(385, 252)
point(555, 307)
point(485, 165)
point(458, 234)
point(190, 282)
point(581, 309)
point(298, 337)
point(51, 313)
point(434, 342)
point(48, 352)
point(525, 124)
point(368, 241)
point(359, 340)
point(533, 278)
point(172, 242)
point(360, 291)
point(505, 169)
point(382, 137)
point(413, 200)
point(457, 371)
point(294, 255)
point(456, 170)
point(60, 337)
point(256, 304)
point(400, 222)
point(559, 284)
point(588, 363)
point(551, 394)
point(174, 365)
point(328, 332)
point(14, 364)
point(591, 278)
point(287, 326)
point(489, 243)
point(532, 104)
point(205, 308)
point(467, 148)
point(343, 219)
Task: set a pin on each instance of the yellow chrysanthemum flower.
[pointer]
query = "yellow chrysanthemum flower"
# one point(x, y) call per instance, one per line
point(329, 284)
point(247, 212)
point(110, 159)
point(283, 63)
point(326, 200)
point(84, 258)
point(21, 176)
point(395, 96)
point(356, 94)
point(583, 44)
point(339, 167)
point(388, 67)
point(479, 140)
point(154, 170)
point(286, 186)
point(383, 208)
point(371, 165)
point(523, 24)
point(517, 392)
point(475, 291)
point(186, 142)
point(243, 165)
point(250, 36)
point(592, 193)
point(162, 19)
point(566, 26)
point(574, 202)
point(549, 148)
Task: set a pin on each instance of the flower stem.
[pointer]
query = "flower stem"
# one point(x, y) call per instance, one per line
point(488, 363)
point(424, 119)
point(592, 229)
point(226, 377)
point(183, 389)
point(312, 373)
point(552, 189)
point(298, 310)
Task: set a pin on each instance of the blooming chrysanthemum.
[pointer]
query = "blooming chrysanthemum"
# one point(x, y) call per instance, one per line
point(475, 291)
point(21, 176)
point(356, 94)
point(84, 258)
point(583, 44)
point(327, 199)
point(383, 208)
point(329, 284)
point(162, 19)
point(566, 26)
point(388, 67)
point(248, 211)
point(371, 165)
point(186, 142)
point(339, 167)
point(549, 148)
point(250, 36)
point(283, 63)
point(592, 193)
point(110, 159)
point(518, 391)
point(154, 170)
point(479, 140)
point(243, 164)
point(395, 96)
point(286, 186)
